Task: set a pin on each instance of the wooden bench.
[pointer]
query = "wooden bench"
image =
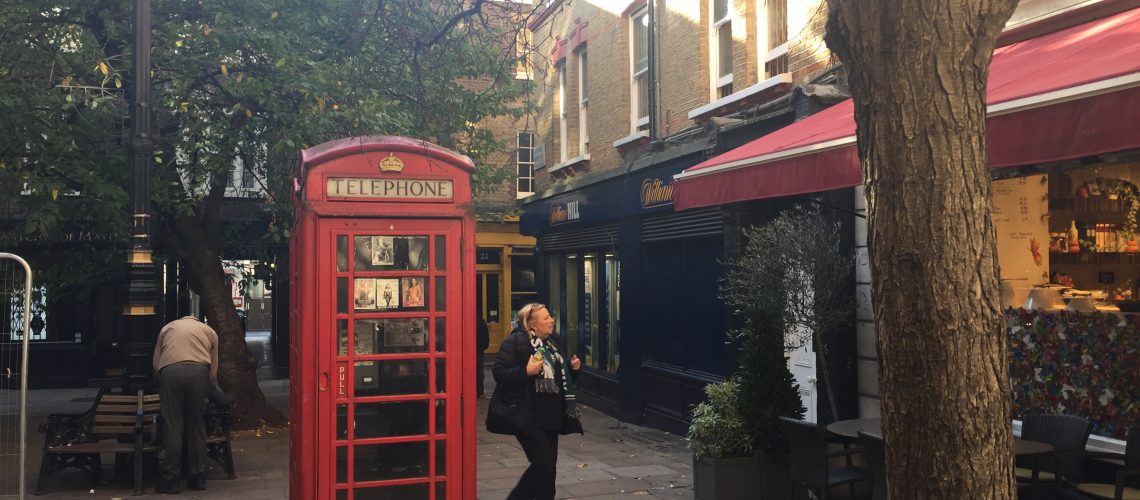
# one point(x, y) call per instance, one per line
point(121, 424)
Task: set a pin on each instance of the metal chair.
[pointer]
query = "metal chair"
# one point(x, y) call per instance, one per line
point(872, 445)
point(809, 459)
point(1119, 490)
point(1068, 434)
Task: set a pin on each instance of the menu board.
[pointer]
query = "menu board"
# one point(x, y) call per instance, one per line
point(1020, 213)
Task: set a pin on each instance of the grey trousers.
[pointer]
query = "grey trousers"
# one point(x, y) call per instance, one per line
point(184, 387)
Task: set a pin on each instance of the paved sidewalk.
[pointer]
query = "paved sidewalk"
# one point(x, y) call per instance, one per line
point(612, 460)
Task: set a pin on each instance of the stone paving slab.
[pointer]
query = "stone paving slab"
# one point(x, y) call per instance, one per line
point(638, 471)
point(652, 464)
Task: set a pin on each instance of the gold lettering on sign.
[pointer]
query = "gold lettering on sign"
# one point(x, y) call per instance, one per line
point(567, 212)
point(404, 189)
point(655, 192)
point(557, 214)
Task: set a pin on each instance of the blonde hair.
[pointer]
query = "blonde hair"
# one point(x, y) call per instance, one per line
point(525, 312)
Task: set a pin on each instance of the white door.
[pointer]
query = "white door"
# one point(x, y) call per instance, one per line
point(801, 362)
point(801, 359)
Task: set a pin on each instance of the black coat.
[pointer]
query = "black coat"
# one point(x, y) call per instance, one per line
point(510, 374)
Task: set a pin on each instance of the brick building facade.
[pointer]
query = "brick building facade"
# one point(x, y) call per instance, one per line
point(634, 283)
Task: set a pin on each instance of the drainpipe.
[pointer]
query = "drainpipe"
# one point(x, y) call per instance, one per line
point(652, 48)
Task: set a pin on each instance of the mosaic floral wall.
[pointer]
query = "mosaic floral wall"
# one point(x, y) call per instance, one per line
point(1076, 363)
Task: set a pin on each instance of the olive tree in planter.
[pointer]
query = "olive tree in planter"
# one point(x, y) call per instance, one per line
point(724, 467)
point(789, 285)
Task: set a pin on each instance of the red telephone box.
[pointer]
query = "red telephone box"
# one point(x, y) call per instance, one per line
point(383, 305)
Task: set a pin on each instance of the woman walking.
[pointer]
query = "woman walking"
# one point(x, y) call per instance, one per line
point(532, 372)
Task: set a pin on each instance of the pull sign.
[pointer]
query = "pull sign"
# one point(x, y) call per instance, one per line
point(342, 379)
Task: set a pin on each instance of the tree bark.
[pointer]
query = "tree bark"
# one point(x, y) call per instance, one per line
point(918, 73)
point(195, 240)
point(237, 368)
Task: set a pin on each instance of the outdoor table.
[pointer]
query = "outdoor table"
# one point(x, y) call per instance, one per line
point(850, 428)
point(1025, 447)
point(1034, 449)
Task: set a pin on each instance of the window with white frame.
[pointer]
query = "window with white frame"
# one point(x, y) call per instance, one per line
point(524, 162)
point(563, 116)
point(772, 42)
point(720, 48)
point(639, 69)
point(583, 103)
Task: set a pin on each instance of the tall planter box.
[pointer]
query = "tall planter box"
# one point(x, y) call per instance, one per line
point(732, 478)
point(774, 472)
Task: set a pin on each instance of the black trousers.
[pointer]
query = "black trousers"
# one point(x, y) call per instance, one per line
point(537, 483)
point(184, 387)
point(479, 373)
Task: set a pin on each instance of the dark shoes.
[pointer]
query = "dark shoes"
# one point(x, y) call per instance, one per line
point(197, 482)
point(168, 487)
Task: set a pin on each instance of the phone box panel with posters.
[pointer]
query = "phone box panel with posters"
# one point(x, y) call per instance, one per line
point(383, 308)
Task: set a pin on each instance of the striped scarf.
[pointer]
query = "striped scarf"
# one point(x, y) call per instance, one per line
point(547, 384)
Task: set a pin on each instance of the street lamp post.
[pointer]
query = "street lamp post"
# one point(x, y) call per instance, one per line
point(142, 291)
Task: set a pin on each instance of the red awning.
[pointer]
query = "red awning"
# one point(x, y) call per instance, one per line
point(1064, 95)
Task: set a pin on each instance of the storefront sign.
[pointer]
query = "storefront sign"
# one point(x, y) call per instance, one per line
point(406, 189)
point(564, 212)
point(489, 256)
point(655, 192)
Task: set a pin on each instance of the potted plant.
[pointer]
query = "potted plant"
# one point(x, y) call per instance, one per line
point(789, 285)
point(724, 467)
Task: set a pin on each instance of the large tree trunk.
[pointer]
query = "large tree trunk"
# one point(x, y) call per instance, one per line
point(195, 240)
point(237, 370)
point(918, 74)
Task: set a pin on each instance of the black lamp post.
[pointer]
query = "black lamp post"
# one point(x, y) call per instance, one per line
point(142, 291)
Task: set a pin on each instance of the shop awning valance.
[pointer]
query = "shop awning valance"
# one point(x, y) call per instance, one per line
point(1065, 95)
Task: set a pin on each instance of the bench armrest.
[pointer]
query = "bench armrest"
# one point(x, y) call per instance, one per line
point(65, 433)
point(217, 422)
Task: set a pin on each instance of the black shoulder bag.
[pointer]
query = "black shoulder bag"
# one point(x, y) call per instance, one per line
point(509, 415)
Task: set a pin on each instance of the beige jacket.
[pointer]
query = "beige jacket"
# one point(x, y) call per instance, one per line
point(187, 339)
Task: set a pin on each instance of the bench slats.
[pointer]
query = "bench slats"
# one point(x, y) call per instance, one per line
point(130, 419)
point(111, 398)
point(116, 409)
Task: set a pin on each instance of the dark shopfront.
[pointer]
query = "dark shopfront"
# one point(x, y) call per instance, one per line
point(634, 289)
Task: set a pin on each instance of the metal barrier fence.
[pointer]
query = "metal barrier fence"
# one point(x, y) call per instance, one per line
point(15, 318)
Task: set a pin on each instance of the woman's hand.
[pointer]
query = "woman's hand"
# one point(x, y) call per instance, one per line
point(533, 365)
point(575, 363)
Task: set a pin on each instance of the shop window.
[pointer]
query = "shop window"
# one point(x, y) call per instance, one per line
point(37, 328)
point(487, 296)
point(584, 296)
point(555, 295)
point(573, 331)
point(590, 338)
point(613, 307)
point(523, 287)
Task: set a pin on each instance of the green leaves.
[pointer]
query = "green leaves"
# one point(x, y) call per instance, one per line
point(245, 83)
point(717, 428)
